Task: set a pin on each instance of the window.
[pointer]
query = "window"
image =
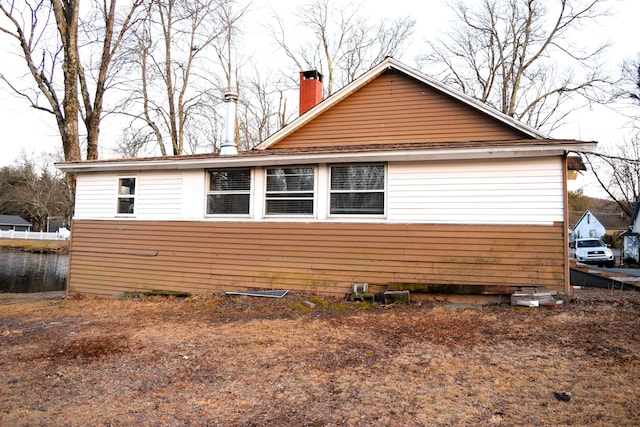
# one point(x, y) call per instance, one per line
point(126, 195)
point(290, 191)
point(357, 189)
point(229, 192)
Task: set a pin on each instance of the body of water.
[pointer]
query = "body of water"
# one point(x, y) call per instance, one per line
point(24, 272)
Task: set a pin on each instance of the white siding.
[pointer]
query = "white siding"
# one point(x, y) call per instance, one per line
point(258, 188)
point(193, 194)
point(159, 194)
point(635, 226)
point(523, 191)
point(520, 191)
point(95, 195)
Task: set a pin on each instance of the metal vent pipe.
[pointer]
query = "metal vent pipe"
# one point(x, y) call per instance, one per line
point(229, 147)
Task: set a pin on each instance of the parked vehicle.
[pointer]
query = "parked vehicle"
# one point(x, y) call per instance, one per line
point(592, 251)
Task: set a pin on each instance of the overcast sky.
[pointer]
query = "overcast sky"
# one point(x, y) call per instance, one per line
point(36, 132)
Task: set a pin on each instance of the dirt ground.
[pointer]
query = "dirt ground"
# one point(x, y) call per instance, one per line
point(302, 361)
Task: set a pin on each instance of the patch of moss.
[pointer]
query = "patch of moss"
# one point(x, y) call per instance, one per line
point(343, 307)
point(366, 305)
point(212, 303)
point(351, 306)
point(166, 294)
point(299, 306)
point(321, 302)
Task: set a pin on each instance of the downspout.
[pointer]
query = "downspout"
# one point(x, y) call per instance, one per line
point(565, 231)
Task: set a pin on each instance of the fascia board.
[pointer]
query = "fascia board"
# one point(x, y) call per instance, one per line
point(367, 156)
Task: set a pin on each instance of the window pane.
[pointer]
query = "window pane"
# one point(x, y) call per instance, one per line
point(357, 203)
point(230, 180)
point(229, 191)
point(228, 203)
point(289, 206)
point(357, 189)
point(290, 190)
point(290, 179)
point(125, 205)
point(357, 177)
point(127, 186)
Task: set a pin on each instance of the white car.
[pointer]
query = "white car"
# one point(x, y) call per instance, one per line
point(592, 251)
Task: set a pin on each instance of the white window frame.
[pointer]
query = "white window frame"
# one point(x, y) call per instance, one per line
point(313, 192)
point(384, 192)
point(120, 196)
point(209, 192)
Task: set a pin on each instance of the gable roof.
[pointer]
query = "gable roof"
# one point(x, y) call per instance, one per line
point(612, 221)
point(376, 72)
point(503, 138)
point(609, 220)
point(13, 220)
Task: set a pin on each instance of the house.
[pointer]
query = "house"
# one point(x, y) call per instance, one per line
point(396, 181)
point(631, 242)
point(588, 226)
point(605, 223)
point(14, 223)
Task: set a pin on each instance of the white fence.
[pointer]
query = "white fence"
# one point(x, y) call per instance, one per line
point(34, 235)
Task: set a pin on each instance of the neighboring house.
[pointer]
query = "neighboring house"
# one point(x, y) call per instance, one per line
point(588, 226)
point(605, 223)
point(395, 180)
point(14, 223)
point(631, 245)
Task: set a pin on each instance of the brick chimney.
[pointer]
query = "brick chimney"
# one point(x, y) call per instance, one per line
point(310, 90)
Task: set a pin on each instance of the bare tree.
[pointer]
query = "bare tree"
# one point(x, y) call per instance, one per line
point(618, 170)
point(104, 74)
point(619, 173)
point(47, 34)
point(176, 95)
point(228, 54)
point(340, 43)
point(229, 14)
point(627, 93)
point(520, 56)
point(262, 109)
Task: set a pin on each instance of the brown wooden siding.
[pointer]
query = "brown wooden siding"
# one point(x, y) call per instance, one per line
point(396, 108)
point(112, 257)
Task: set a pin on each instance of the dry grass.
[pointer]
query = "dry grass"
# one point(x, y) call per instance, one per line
point(45, 246)
point(237, 361)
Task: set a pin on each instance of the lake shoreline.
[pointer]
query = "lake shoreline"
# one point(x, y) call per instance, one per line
point(36, 246)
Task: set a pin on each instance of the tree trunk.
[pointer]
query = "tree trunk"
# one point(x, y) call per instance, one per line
point(66, 14)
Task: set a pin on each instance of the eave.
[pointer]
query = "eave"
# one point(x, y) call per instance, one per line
point(369, 153)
